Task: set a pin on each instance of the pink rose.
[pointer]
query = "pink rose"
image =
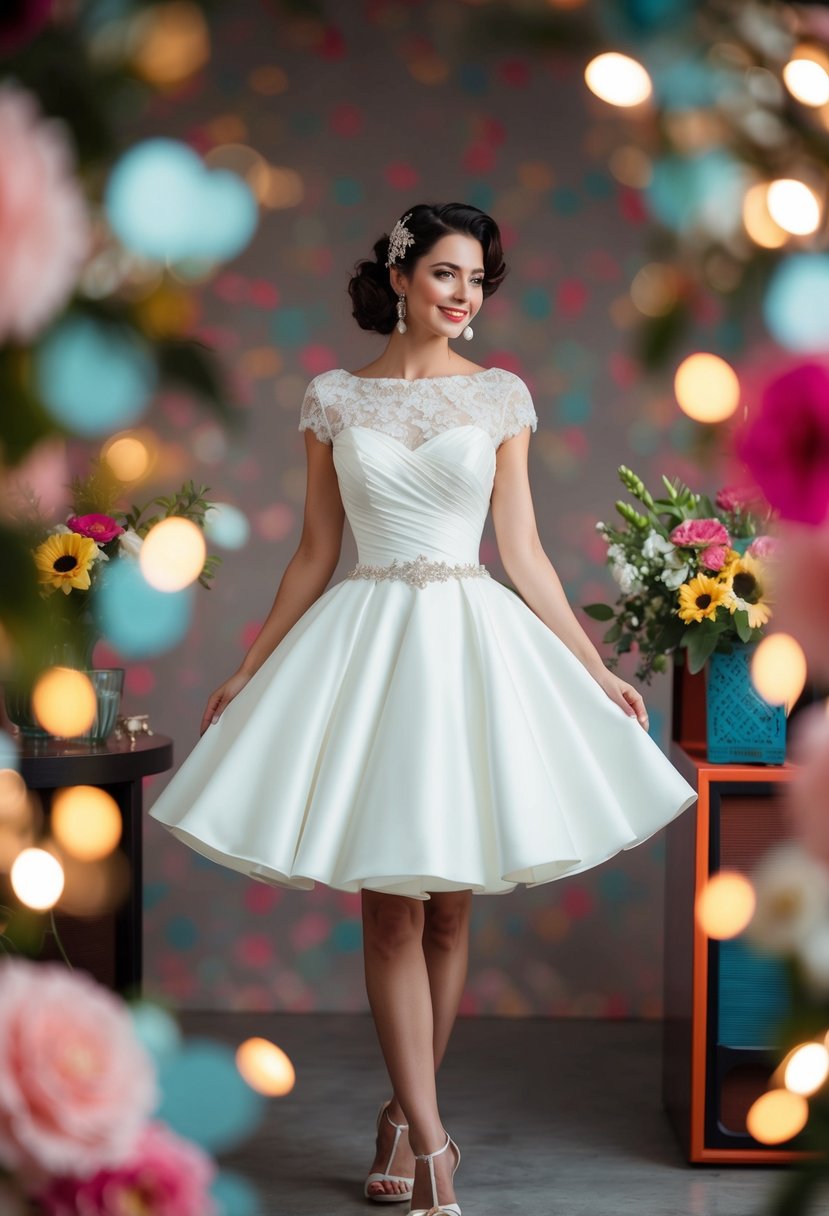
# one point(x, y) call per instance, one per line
point(713, 558)
point(785, 444)
point(764, 546)
point(163, 1176)
point(735, 498)
point(100, 528)
point(700, 532)
point(44, 227)
point(76, 1083)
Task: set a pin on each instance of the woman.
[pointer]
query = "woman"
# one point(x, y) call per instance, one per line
point(418, 732)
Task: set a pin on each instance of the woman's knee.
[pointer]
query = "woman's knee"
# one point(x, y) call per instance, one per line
point(447, 919)
point(391, 922)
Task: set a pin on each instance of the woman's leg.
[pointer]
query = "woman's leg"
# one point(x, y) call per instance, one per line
point(399, 995)
point(446, 950)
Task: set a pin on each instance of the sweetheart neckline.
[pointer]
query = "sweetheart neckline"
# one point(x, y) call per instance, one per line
point(465, 426)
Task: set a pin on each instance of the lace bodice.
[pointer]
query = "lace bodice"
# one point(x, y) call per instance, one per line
point(413, 411)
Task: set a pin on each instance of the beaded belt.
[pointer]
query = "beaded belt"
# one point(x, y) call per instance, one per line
point(420, 571)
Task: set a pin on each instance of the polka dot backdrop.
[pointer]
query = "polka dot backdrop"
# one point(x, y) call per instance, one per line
point(353, 117)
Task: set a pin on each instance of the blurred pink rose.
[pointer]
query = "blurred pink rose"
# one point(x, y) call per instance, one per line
point(44, 227)
point(807, 800)
point(713, 558)
point(785, 444)
point(100, 528)
point(764, 546)
point(163, 1176)
point(735, 498)
point(800, 577)
point(76, 1083)
point(701, 532)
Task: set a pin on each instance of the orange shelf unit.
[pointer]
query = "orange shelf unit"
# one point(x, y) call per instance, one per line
point(713, 1066)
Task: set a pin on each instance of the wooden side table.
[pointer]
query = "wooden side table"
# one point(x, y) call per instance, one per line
point(719, 996)
point(108, 946)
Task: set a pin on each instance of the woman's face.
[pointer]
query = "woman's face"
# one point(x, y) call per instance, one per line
point(446, 287)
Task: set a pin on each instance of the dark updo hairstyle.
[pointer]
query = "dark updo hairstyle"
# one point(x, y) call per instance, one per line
point(372, 295)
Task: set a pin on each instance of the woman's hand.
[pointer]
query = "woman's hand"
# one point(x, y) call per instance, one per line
point(221, 698)
point(624, 694)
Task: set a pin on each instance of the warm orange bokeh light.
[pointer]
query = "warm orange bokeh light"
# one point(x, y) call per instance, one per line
point(85, 821)
point(778, 669)
point(776, 1116)
point(725, 905)
point(806, 1068)
point(64, 702)
point(173, 554)
point(37, 878)
point(706, 388)
point(265, 1067)
point(618, 79)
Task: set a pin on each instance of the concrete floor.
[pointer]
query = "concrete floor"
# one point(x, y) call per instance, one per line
point(554, 1117)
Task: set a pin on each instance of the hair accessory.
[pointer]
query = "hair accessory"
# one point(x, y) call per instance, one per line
point(401, 314)
point(399, 239)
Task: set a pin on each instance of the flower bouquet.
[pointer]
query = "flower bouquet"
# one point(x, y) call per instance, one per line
point(70, 556)
point(692, 574)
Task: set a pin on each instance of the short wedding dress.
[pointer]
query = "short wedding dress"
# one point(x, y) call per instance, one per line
point(419, 729)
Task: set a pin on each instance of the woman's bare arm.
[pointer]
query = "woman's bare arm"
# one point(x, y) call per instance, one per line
point(309, 571)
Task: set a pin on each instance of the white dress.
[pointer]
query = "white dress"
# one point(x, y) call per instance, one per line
point(419, 728)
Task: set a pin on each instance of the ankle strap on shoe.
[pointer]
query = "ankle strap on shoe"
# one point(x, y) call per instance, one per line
point(400, 1126)
point(436, 1153)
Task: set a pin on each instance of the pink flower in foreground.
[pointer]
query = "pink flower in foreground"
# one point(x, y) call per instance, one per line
point(44, 227)
point(76, 1083)
point(163, 1176)
point(785, 445)
point(700, 532)
point(800, 578)
point(735, 498)
point(764, 546)
point(807, 801)
point(100, 528)
point(713, 558)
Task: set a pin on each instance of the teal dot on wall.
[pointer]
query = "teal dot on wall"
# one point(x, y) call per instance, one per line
point(729, 335)
point(347, 191)
point(347, 936)
point(683, 432)
point(614, 886)
point(536, 302)
point(314, 963)
point(305, 122)
point(574, 407)
point(480, 194)
point(210, 969)
point(515, 926)
point(565, 201)
point(181, 933)
point(473, 79)
point(289, 327)
point(643, 437)
point(573, 357)
point(598, 184)
point(153, 893)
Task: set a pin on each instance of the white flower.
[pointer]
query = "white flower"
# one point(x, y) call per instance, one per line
point(813, 952)
point(657, 545)
point(792, 891)
point(626, 577)
point(634, 620)
point(616, 554)
point(130, 542)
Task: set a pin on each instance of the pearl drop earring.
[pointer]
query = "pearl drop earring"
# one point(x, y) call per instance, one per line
point(468, 332)
point(401, 313)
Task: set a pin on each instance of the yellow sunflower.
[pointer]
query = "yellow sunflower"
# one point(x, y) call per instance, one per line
point(747, 589)
point(701, 597)
point(63, 561)
point(725, 571)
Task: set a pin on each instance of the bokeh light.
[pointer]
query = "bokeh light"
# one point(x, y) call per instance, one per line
point(136, 618)
point(172, 42)
point(793, 206)
point(64, 702)
point(205, 1098)
point(37, 878)
point(173, 553)
point(779, 669)
point(618, 79)
point(156, 1028)
point(226, 525)
point(86, 821)
point(806, 77)
point(725, 905)
point(706, 388)
point(129, 456)
point(655, 289)
point(794, 307)
point(94, 888)
point(806, 1068)
point(759, 225)
point(94, 377)
point(265, 1067)
point(776, 1116)
point(164, 203)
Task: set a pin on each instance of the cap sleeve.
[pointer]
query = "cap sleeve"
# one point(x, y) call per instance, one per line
point(519, 410)
point(312, 414)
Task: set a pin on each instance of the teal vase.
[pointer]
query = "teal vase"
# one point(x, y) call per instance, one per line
point(742, 726)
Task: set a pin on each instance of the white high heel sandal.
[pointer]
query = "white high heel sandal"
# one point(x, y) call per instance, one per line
point(438, 1208)
point(383, 1196)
